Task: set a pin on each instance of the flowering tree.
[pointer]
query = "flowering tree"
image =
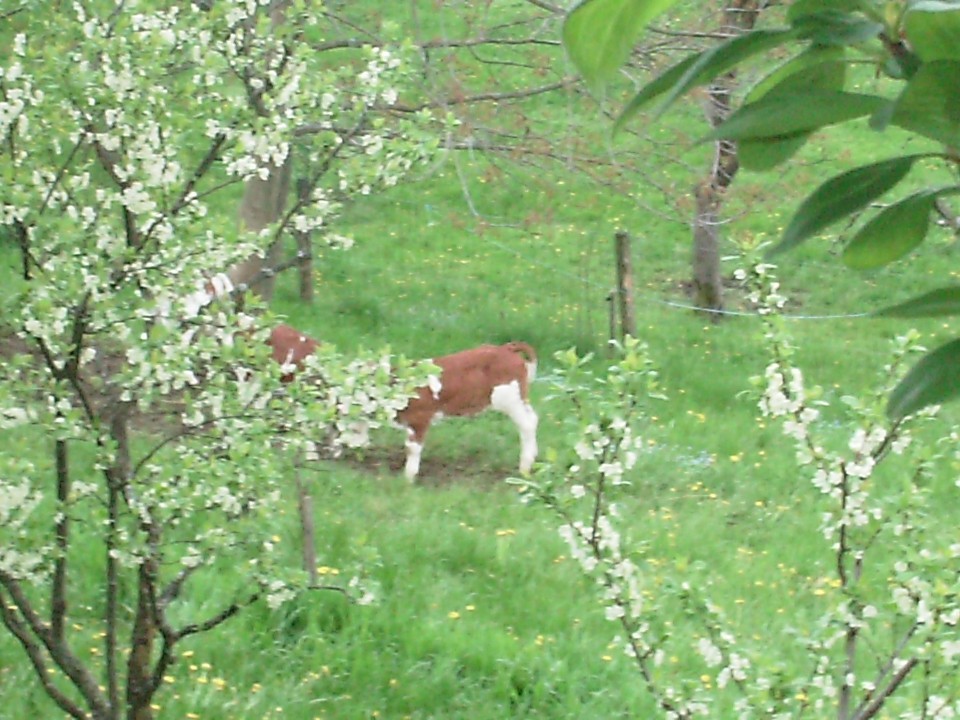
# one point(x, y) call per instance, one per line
point(125, 136)
point(891, 641)
point(913, 44)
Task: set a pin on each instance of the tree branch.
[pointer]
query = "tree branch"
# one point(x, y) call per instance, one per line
point(35, 653)
point(874, 706)
point(59, 652)
point(489, 96)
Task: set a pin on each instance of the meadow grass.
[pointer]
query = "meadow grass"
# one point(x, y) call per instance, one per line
point(481, 614)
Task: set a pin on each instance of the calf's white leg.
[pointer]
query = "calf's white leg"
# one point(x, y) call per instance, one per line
point(508, 400)
point(414, 450)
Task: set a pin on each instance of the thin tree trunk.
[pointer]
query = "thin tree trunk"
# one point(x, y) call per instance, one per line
point(628, 319)
point(58, 601)
point(139, 691)
point(304, 248)
point(738, 16)
point(263, 202)
point(117, 479)
point(308, 531)
point(707, 284)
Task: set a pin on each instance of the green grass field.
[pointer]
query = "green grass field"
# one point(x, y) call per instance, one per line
point(481, 614)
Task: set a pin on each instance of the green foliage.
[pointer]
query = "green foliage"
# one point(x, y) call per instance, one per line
point(942, 301)
point(848, 192)
point(699, 69)
point(913, 43)
point(783, 114)
point(618, 21)
point(894, 231)
point(819, 66)
point(935, 379)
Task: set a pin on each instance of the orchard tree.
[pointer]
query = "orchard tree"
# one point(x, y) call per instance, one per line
point(915, 44)
point(884, 644)
point(887, 644)
point(145, 427)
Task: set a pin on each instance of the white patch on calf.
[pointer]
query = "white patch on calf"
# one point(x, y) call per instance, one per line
point(433, 382)
point(531, 371)
point(508, 400)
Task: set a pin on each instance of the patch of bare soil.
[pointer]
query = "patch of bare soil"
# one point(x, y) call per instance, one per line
point(436, 469)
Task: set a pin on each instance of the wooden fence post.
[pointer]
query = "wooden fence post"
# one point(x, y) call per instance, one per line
point(628, 319)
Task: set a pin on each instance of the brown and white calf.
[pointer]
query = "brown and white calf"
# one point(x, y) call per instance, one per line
point(490, 376)
point(470, 381)
point(290, 347)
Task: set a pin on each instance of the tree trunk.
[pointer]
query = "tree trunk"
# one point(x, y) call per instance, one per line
point(738, 16)
point(707, 285)
point(628, 318)
point(263, 201)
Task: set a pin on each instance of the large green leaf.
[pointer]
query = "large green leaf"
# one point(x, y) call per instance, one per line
point(930, 104)
point(933, 29)
point(766, 154)
point(799, 8)
point(939, 302)
point(785, 114)
point(891, 233)
point(710, 64)
point(816, 68)
point(894, 231)
point(599, 34)
point(933, 380)
point(661, 84)
point(834, 27)
point(842, 195)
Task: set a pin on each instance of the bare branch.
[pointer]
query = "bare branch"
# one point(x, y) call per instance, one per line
point(38, 660)
point(60, 652)
point(874, 706)
point(490, 96)
point(221, 617)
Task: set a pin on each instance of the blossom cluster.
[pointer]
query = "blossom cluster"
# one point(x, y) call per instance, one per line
point(864, 513)
point(605, 448)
